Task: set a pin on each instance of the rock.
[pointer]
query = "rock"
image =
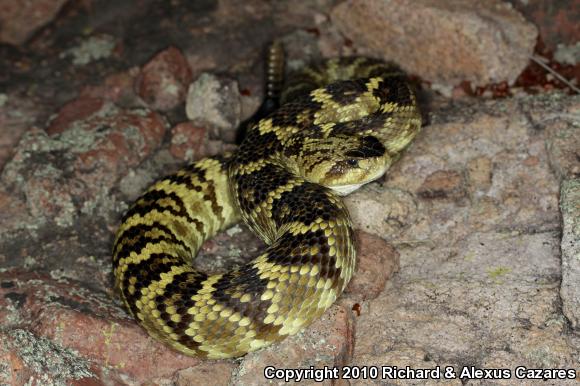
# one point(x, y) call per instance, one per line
point(395, 210)
point(117, 88)
point(206, 373)
point(17, 114)
point(445, 318)
point(563, 141)
point(461, 34)
point(74, 171)
point(95, 328)
point(20, 20)
point(327, 342)
point(479, 175)
point(570, 292)
point(75, 110)
point(14, 371)
point(164, 79)
point(188, 141)
point(568, 54)
point(377, 262)
point(414, 358)
point(443, 184)
point(91, 49)
point(556, 21)
point(13, 213)
point(35, 357)
point(215, 101)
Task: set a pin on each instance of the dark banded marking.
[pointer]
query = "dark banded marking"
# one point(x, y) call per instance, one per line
point(181, 290)
point(256, 147)
point(210, 194)
point(145, 272)
point(398, 92)
point(294, 250)
point(183, 179)
point(194, 169)
point(374, 123)
point(345, 92)
point(254, 188)
point(134, 239)
point(211, 197)
point(149, 270)
point(245, 281)
point(150, 201)
point(299, 86)
point(304, 203)
point(369, 147)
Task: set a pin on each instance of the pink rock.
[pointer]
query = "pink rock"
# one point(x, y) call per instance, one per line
point(72, 169)
point(479, 174)
point(19, 20)
point(14, 370)
point(164, 80)
point(105, 341)
point(480, 41)
point(74, 317)
point(118, 147)
point(377, 262)
point(75, 110)
point(115, 87)
point(188, 141)
point(443, 184)
point(206, 373)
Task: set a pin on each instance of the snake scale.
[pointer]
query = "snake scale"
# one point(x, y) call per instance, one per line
point(341, 123)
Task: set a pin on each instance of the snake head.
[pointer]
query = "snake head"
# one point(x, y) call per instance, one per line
point(344, 163)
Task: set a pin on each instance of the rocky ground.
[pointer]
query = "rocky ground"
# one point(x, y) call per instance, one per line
point(469, 250)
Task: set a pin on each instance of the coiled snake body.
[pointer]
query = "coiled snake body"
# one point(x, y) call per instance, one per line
point(341, 124)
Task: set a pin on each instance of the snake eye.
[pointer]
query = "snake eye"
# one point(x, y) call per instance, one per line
point(352, 162)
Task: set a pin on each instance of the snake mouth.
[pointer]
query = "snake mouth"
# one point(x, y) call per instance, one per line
point(343, 190)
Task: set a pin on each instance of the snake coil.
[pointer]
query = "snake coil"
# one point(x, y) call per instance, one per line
point(342, 124)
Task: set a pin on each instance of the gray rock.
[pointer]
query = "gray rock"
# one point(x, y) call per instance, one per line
point(570, 290)
point(563, 128)
point(216, 101)
point(568, 54)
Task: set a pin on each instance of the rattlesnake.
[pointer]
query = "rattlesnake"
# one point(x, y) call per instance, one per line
point(341, 124)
